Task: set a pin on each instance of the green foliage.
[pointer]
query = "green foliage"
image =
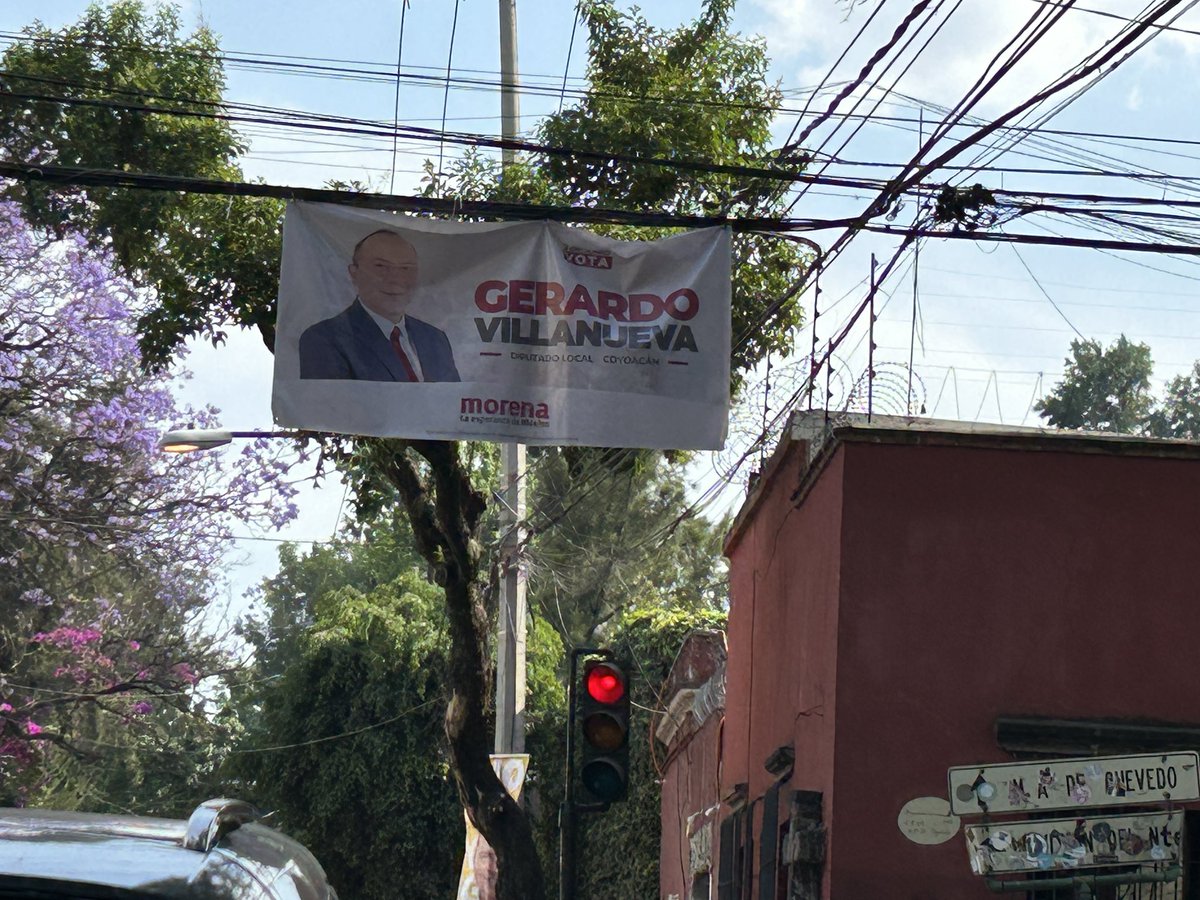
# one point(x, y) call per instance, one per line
point(165, 767)
point(1109, 390)
point(621, 538)
point(1102, 390)
point(1178, 416)
point(345, 743)
point(696, 93)
point(353, 639)
point(211, 260)
point(376, 803)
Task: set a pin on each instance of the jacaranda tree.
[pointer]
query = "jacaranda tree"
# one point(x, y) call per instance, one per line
point(109, 550)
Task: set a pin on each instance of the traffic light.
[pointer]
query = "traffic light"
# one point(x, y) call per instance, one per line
point(604, 725)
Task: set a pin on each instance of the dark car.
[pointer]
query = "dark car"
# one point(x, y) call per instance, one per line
point(219, 853)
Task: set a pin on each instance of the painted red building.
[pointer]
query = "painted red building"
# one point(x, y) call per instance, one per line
point(910, 595)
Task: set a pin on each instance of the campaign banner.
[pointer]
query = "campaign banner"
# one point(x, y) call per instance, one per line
point(401, 326)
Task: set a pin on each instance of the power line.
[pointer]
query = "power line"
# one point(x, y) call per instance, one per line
point(1110, 15)
point(854, 40)
point(446, 95)
point(1046, 240)
point(904, 181)
point(913, 14)
point(354, 126)
point(336, 737)
point(866, 119)
point(1135, 39)
point(396, 106)
point(1016, 170)
point(74, 176)
point(388, 73)
point(562, 94)
point(370, 128)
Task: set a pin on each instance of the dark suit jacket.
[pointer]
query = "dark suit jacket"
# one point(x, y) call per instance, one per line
point(351, 345)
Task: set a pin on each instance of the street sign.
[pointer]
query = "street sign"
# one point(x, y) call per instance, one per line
point(1003, 847)
point(1084, 783)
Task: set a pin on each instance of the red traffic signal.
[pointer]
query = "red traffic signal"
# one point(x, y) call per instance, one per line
point(604, 683)
point(604, 720)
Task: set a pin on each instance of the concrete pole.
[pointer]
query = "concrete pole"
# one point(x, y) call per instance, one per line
point(510, 103)
point(510, 637)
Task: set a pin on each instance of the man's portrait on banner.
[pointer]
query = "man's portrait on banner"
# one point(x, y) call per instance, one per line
point(375, 338)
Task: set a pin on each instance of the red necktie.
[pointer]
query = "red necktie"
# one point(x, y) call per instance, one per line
point(401, 355)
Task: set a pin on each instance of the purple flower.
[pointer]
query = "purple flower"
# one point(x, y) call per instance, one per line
point(78, 446)
point(37, 597)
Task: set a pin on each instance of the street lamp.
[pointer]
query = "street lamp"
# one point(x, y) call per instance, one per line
point(190, 440)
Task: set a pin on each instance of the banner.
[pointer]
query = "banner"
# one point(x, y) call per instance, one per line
point(477, 880)
point(399, 326)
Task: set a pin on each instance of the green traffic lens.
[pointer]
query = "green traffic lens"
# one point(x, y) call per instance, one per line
point(604, 779)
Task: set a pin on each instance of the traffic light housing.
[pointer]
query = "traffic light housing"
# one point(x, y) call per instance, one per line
point(604, 732)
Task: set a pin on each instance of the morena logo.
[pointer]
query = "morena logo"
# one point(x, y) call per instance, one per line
point(490, 406)
point(592, 259)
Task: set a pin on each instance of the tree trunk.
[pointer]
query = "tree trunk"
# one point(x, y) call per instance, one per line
point(445, 524)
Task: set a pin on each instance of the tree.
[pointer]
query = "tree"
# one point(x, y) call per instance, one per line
point(345, 745)
point(217, 261)
point(340, 713)
point(124, 90)
point(1178, 415)
point(108, 552)
point(611, 537)
point(1102, 390)
point(1109, 390)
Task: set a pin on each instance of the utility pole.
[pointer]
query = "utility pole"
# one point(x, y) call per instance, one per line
point(510, 638)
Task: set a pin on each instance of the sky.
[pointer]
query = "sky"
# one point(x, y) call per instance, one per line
point(988, 326)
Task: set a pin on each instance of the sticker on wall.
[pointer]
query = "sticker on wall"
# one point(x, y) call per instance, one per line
point(927, 820)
